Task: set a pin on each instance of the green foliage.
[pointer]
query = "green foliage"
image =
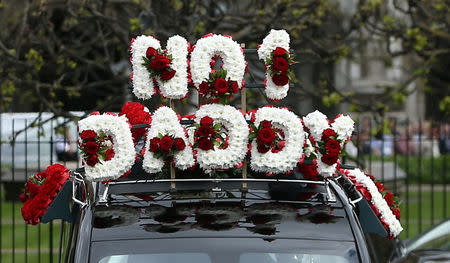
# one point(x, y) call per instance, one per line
point(35, 58)
point(331, 100)
point(444, 105)
point(398, 98)
point(135, 24)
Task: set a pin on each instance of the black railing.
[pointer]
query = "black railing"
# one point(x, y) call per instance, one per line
point(410, 158)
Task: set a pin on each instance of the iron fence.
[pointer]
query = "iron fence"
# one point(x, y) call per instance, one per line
point(410, 158)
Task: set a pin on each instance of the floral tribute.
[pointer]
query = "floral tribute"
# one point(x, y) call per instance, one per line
point(100, 134)
point(383, 203)
point(274, 52)
point(165, 68)
point(40, 191)
point(136, 113)
point(328, 140)
point(221, 155)
point(226, 81)
point(167, 141)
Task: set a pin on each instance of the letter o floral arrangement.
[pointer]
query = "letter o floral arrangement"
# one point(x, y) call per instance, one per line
point(117, 129)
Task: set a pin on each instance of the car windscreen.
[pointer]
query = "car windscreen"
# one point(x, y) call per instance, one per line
point(223, 250)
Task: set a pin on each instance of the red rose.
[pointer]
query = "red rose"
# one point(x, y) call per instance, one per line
point(204, 88)
point(280, 64)
point(279, 147)
point(396, 212)
point(205, 131)
point(166, 143)
point(88, 134)
point(266, 123)
point(206, 121)
point(329, 159)
point(205, 144)
point(179, 144)
point(327, 133)
point(380, 187)
point(280, 79)
point(151, 52)
point(389, 197)
point(92, 160)
point(109, 154)
point(160, 62)
point(167, 74)
point(234, 86)
point(91, 147)
point(332, 146)
point(154, 144)
point(266, 135)
point(221, 85)
point(279, 51)
point(262, 148)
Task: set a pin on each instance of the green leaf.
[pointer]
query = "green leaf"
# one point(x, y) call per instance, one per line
point(216, 143)
point(160, 135)
point(252, 135)
point(217, 126)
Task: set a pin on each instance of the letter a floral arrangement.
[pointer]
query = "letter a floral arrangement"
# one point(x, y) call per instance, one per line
point(273, 141)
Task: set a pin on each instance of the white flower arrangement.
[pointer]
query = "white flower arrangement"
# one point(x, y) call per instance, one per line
point(286, 159)
point(378, 201)
point(166, 122)
point(176, 87)
point(230, 52)
point(316, 122)
point(276, 38)
point(143, 86)
point(119, 129)
point(343, 125)
point(233, 120)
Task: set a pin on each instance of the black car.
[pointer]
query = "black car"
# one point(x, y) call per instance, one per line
point(217, 220)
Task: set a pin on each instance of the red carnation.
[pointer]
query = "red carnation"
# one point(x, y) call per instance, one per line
point(396, 212)
point(136, 114)
point(51, 188)
point(160, 62)
point(327, 133)
point(205, 131)
point(154, 144)
point(205, 144)
point(280, 79)
point(179, 144)
point(266, 123)
point(380, 187)
point(279, 51)
point(206, 121)
point(280, 64)
point(92, 160)
point(88, 134)
point(389, 197)
point(204, 88)
point(167, 74)
point(32, 189)
point(262, 148)
point(365, 193)
point(266, 135)
point(151, 52)
point(166, 143)
point(109, 154)
point(221, 85)
point(234, 86)
point(329, 159)
point(91, 147)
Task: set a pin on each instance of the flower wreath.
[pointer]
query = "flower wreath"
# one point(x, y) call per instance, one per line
point(225, 81)
point(153, 65)
point(380, 200)
point(166, 140)
point(117, 130)
point(233, 120)
point(274, 50)
point(40, 191)
point(287, 157)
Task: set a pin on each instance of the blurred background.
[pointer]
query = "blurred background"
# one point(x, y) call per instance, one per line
point(385, 63)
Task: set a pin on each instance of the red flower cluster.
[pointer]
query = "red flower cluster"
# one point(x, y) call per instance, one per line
point(309, 171)
point(166, 145)
point(158, 64)
point(330, 147)
point(207, 135)
point(136, 114)
point(40, 190)
point(218, 87)
point(267, 137)
point(94, 147)
point(279, 65)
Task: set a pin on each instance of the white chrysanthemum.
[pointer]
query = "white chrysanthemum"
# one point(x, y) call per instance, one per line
point(343, 126)
point(286, 159)
point(227, 49)
point(238, 132)
point(119, 129)
point(165, 122)
point(316, 122)
point(276, 38)
point(309, 148)
point(143, 86)
point(378, 201)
